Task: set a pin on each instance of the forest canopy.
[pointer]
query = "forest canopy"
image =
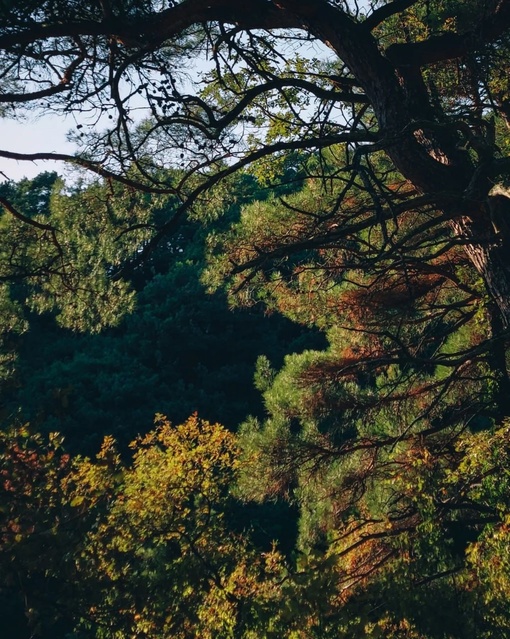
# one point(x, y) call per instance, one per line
point(339, 166)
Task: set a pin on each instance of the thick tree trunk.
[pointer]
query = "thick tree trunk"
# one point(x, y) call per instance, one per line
point(428, 156)
point(489, 251)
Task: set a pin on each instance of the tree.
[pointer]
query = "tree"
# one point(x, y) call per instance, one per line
point(161, 559)
point(397, 246)
point(377, 92)
point(383, 102)
point(40, 535)
point(174, 352)
point(373, 437)
point(109, 548)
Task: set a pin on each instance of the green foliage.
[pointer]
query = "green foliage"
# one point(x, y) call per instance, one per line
point(13, 324)
point(66, 246)
point(370, 439)
point(367, 438)
point(116, 549)
point(179, 350)
point(389, 441)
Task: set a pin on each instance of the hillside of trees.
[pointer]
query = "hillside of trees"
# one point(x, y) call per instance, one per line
point(254, 361)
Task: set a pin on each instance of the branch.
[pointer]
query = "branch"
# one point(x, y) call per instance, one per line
point(173, 223)
point(90, 165)
point(151, 31)
point(35, 95)
point(23, 218)
point(452, 45)
point(43, 31)
point(214, 125)
point(385, 12)
point(63, 85)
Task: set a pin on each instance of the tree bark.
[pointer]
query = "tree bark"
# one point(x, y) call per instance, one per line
point(422, 148)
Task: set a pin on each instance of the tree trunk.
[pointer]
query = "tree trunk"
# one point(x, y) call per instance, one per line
point(425, 150)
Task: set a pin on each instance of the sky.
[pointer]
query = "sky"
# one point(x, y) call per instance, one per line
point(46, 134)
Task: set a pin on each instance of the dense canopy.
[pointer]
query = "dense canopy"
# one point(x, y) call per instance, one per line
point(404, 91)
point(347, 165)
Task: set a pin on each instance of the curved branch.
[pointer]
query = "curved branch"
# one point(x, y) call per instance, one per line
point(23, 218)
point(386, 11)
point(154, 29)
point(93, 167)
point(452, 45)
point(63, 85)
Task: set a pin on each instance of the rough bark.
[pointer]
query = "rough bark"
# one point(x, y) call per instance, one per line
point(428, 156)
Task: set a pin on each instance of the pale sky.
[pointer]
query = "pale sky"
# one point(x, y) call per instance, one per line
point(47, 134)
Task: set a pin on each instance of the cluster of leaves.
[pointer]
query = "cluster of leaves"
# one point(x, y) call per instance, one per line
point(138, 548)
point(109, 548)
point(174, 352)
point(61, 247)
point(115, 548)
point(372, 437)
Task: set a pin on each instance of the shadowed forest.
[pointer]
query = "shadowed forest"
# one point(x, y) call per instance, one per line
point(254, 368)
